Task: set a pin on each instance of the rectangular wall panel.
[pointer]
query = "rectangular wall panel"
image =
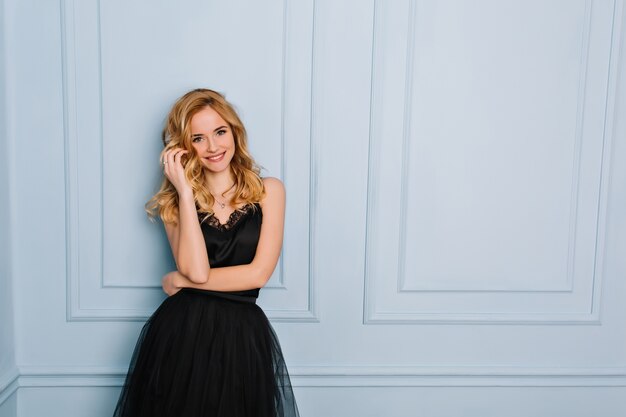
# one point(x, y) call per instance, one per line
point(486, 200)
point(114, 117)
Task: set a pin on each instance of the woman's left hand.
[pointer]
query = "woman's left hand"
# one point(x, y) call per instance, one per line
point(171, 282)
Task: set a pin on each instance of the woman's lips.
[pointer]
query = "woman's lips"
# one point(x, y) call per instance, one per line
point(217, 158)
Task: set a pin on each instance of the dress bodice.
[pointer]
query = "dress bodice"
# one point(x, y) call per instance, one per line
point(235, 242)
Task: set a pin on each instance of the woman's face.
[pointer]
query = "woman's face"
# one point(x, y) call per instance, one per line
point(212, 137)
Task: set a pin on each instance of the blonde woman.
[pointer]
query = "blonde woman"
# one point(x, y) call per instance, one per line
point(209, 349)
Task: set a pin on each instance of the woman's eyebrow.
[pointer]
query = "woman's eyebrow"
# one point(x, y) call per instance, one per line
point(215, 130)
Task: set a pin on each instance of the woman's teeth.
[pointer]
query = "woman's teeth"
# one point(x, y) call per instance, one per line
point(217, 158)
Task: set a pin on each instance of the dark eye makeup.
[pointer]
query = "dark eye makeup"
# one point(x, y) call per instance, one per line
point(220, 132)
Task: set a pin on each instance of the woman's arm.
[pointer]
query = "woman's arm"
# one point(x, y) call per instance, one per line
point(185, 237)
point(191, 254)
point(258, 272)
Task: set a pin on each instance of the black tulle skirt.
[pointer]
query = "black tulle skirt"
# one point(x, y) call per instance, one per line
point(200, 355)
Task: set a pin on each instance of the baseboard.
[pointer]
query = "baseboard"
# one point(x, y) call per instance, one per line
point(363, 376)
point(9, 382)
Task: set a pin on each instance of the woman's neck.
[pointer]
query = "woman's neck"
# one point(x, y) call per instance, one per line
point(219, 182)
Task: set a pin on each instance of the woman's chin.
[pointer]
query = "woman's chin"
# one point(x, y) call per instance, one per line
point(215, 168)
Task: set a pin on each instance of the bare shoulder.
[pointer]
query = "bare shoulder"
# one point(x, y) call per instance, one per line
point(274, 191)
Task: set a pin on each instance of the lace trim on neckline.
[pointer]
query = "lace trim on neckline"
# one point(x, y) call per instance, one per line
point(233, 219)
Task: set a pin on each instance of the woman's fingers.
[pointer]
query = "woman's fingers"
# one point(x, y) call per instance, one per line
point(178, 157)
point(168, 161)
point(173, 156)
point(173, 168)
point(170, 158)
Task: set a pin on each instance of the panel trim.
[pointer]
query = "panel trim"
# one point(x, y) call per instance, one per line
point(372, 314)
point(75, 311)
point(568, 284)
point(366, 376)
point(9, 383)
point(607, 151)
point(386, 317)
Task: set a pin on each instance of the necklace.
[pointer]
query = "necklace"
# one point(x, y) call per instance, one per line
point(221, 204)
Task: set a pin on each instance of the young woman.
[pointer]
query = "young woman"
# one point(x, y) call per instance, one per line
point(209, 350)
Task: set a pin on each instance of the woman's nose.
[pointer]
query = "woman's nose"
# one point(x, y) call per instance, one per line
point(211, 145)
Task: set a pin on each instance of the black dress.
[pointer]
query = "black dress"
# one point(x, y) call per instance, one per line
point(207, 353)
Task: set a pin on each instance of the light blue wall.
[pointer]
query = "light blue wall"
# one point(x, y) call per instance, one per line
point(8, 372)
point(455, 227)
point(7, 359)
point(9, 407)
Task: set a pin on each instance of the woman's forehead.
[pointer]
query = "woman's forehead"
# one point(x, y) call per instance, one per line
point(207, 119)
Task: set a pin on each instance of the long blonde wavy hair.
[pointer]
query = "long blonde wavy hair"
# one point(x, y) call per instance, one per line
point(248, 184)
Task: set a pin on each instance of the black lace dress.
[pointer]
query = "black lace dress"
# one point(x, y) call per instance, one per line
point(208, 353)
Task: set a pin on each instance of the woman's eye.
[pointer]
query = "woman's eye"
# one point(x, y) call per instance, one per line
point(221, 132)
point(194, 139)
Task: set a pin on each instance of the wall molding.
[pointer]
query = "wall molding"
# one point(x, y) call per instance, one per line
point(365, 376)
point(393, 307)
point(568, 283)
point(342, 377)
point(83, 287)
point(9, 383)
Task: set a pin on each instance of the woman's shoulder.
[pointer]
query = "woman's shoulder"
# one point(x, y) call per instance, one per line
point(274, 190)
point(272, 182)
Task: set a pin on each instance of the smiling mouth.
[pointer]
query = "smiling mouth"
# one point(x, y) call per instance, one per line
point(216, 158)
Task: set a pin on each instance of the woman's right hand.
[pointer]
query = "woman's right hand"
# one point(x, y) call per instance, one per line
point(169, 283)
point(174, 170)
